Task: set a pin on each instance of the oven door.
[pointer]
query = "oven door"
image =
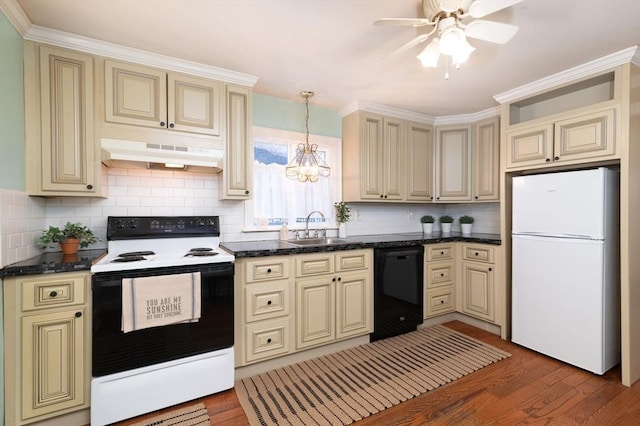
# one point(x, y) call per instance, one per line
point(115, 351)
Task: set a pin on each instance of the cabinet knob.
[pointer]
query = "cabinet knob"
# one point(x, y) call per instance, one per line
point(385, 196)
point(171, 125)
point(556, 158)
point(442, 302)
point(442, 253)
point(269, 271)
point(162, 124)
point(53, 294)
point(476, 197)
point(437, 198)
point(431, 198)
point(89, 187)
point(268, 302)
point(442, 275)
point(476, 253)
point(246, 192)
point(547, 160)
point(78, 314)
point(339, 278)
point(381, 196)
point(333, 279)
point(268, 340)
point(490, 269)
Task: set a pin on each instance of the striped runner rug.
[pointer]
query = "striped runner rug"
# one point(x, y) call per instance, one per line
point(341, 388)
point(194, 415)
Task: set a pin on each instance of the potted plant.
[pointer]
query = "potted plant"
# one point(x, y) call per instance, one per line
point(70, 237)
point(343, 214)
point(427, 224)
point(466, 223)
point(445, 223)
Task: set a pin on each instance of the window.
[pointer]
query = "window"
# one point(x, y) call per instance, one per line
point(278, 200)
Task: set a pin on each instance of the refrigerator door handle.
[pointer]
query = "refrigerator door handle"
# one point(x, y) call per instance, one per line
point(541, 234)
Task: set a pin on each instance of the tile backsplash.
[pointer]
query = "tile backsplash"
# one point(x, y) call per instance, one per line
point(136, 191)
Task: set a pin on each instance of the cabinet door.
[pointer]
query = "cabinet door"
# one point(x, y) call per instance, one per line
point(237, 175)
point(194, 105)
point(68, 143)
point(52, 362)
point(371, 153)
point(393, 159)
point(453, 153)
point(419, 155)
point(586, 136)
point(530, 147)
point(354, 304)
point(486, 167)
point(478, 290)
point(315, 312)
point(135, 95)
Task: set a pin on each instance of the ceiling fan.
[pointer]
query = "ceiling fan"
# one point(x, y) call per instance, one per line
point(446, 17)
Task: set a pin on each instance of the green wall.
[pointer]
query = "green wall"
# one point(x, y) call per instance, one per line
point(277, 113)
point(11, 108)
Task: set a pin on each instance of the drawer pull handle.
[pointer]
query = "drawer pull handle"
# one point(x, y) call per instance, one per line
point(268, 340)
point(442, 302)
point(268, 302)
point(442, 253)
point(78, 314)
point(269, 271)
point(442, 275)
point(476, 253)
point(53, 294)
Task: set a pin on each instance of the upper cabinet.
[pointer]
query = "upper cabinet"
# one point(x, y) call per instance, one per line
point(453, 163)
point(59, 122)
point(571, 125)
point(486, 160)
point(150, 97)
point(385, 159)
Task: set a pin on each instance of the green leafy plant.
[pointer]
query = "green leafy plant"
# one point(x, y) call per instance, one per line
point(71, 230)
point(343, 212)
point(466, 219)
point(427, 219)
point(446, 219)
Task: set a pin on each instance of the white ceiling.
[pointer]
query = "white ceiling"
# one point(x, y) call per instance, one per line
point(332, 47)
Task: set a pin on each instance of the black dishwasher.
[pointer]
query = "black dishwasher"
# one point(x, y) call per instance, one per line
point(398, 290)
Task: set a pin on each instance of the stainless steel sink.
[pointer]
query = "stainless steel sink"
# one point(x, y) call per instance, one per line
point(317, 241)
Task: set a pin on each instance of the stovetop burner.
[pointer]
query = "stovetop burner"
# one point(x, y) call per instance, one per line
point(201, 252)
point(122, 258)
point(137, 253)
point(197, 249)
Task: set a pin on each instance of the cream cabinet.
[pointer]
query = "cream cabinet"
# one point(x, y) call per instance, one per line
point(263, 305)
point(334, 296)
point(477, 280)
point(47, 330)
point(486, 160)
point(453, 163)
point(149, 97)
point(237, 176)
point(386, 159)
point(60, 141)
point(576, 138)
point(439, 279)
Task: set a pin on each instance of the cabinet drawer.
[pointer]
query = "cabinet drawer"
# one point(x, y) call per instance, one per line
point(314, 264)
point(60, 290)
point(440, 274)
point(267, 338)
point(352, 260)
point(440, 301)
point(267, 269)
point(477, 253)
point(440, 252)
point(266, 300)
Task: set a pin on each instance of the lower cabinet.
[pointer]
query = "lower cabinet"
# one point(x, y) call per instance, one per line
point(439, 279)
point(478, 291)
point(47, 331)
point(334, 296)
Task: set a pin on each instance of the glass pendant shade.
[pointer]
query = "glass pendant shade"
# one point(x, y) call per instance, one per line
point(452, 40)
point(430, 54)
point(307, 165)
point(461, 56)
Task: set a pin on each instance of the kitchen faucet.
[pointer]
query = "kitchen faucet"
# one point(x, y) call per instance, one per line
point(306, 228)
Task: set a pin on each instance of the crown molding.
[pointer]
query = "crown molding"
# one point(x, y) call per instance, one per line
point(467, 118)
point(571, 75)
point(386, 110)
point(39, 34)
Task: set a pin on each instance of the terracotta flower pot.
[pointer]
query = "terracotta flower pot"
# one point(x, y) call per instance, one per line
point(70, 246)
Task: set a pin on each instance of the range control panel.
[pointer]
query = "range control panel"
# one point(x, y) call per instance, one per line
point(137, 227)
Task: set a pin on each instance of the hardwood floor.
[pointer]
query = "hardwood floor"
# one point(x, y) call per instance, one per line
point(526, 388)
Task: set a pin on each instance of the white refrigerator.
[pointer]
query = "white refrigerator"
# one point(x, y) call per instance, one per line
point(566, 267)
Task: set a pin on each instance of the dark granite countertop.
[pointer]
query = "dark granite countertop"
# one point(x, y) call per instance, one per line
point(51, 262)
point(273, 248)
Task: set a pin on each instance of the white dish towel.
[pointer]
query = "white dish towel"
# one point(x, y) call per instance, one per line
point(160, 300)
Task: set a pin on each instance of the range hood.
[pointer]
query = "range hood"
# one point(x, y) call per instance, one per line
point(150, 153)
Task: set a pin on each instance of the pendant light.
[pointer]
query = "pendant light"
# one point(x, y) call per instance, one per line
point(307, 165)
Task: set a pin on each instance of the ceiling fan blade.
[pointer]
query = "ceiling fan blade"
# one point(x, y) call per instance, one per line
point(416, 41)
point(481, 8)
point(413, 22)
point(495, 32)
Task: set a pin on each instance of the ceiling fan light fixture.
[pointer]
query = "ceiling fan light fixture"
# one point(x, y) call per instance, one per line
point(462, 54)
point(430, 55)
point(452, 38)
